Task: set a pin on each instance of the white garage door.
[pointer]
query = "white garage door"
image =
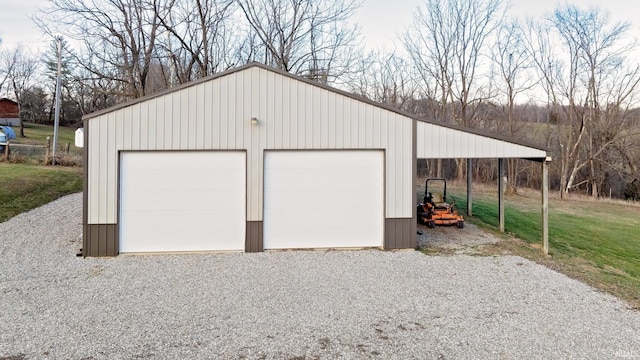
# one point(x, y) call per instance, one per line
point(182, 201)
point(323, 199)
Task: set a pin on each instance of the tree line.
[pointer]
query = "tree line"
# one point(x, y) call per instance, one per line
point(567, 81)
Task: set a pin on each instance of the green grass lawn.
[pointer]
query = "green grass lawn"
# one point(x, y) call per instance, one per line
point(37, 134)
point(597, 242)
point(25, 187)
point(32, 148)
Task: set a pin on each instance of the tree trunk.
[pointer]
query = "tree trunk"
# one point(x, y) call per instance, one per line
point(512, 176)
point(21, 121)
point(595, 186)
point(461, 166)
point(563, 184)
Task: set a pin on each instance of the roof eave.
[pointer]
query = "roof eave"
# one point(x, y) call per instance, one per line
point(314, 83)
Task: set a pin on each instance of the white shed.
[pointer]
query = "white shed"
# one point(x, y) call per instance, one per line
point(248, 160)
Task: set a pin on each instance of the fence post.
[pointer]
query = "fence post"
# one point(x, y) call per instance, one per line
point(46, 153)
point(6, 151)
point(66, 148)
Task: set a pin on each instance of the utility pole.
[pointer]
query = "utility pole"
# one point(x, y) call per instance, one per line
point(57, 118)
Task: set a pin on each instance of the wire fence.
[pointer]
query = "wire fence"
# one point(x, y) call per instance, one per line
point(40, 154)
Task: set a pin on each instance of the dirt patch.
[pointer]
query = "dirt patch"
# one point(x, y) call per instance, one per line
point(451, 240)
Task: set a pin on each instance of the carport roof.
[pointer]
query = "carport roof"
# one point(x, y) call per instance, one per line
point(479, 132)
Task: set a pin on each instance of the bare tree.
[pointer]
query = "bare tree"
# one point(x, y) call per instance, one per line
point(7, 63)
point(68, 65)
point(598, 88)
point(119, 37)
point(197, 37)
point(430, 45)
point(386, 78)
point(446, 43)
point(512, 64)
point(93, 93)
point(539, 42)
point(18, 68)
point(304, 37)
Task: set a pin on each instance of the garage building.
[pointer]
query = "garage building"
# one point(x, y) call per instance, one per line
point(255, 159)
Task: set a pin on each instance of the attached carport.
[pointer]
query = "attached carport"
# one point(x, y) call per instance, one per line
point(442, 141)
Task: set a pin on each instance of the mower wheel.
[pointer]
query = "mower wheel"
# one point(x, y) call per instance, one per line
point(431, 224)
point(460, 224)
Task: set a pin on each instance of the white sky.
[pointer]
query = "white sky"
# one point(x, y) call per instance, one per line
point(381, 20)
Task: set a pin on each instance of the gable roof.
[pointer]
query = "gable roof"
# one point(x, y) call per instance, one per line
point(9, 100)
point(478, 132)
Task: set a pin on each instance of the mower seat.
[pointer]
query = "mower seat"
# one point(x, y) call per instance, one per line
point(438, 200)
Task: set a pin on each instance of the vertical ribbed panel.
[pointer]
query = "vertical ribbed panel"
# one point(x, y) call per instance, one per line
point(439, 142)
point(400, 234)
point(254, 240)
point(216, 114)
point(100, 240)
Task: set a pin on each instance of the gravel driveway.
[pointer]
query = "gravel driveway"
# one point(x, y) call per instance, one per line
point(290, 305)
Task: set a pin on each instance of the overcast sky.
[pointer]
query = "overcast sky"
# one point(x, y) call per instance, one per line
point(381, 20)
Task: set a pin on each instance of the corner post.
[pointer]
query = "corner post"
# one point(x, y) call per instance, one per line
point(6, 150)
point(545, 206)
point(501, 182)
point(469, 187)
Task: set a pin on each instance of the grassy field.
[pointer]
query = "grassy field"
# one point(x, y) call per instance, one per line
point(32, 148)
point(36, 134)
point(25, 187)
point(597, 242)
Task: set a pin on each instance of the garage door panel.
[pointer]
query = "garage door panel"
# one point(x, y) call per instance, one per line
point(182, 201)
point(312, 217)
point(348, 237)
point(164, 181)
point(319, 199)
point(176, 160)
point(200, 178)
point(202, 219)
point(336, 159)
point(178, 236)
point(330, 176)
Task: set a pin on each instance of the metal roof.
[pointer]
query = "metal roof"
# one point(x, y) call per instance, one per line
point(478, 132)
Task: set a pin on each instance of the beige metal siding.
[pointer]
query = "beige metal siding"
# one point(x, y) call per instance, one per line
point(217, 114)
point(439, 142)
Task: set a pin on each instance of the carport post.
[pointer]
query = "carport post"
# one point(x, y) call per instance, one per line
point(501, 181)
point(469, 183)
point(545, 206)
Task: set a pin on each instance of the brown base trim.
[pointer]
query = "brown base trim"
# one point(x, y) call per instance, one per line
point(100, 240)
point(254, 235)
point(400, 234)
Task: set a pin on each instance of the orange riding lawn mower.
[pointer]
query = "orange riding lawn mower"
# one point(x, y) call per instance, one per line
point(434, 210)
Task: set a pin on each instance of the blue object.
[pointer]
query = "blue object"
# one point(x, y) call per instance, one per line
point(3, 139)
point(8, 132)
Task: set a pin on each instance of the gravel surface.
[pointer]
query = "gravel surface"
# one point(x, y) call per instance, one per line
point(459, 241)
point(290, 305)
